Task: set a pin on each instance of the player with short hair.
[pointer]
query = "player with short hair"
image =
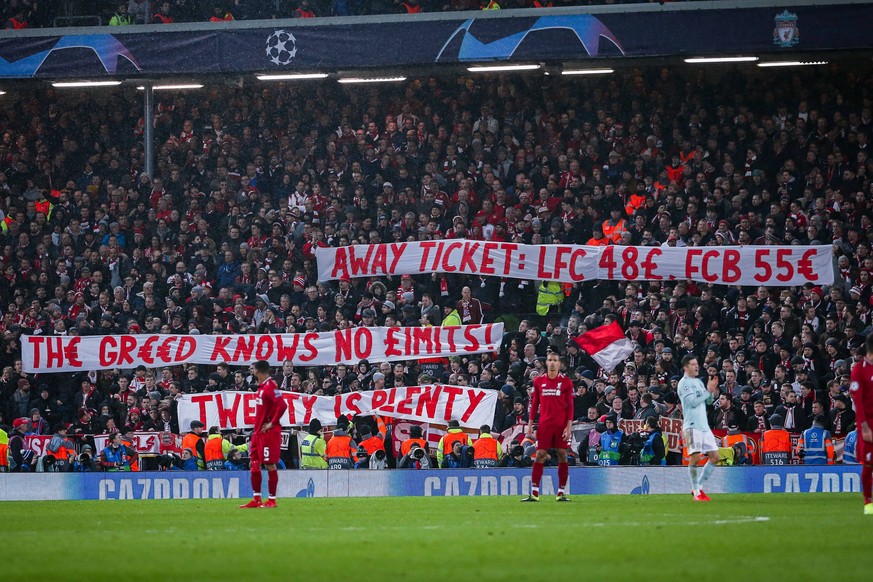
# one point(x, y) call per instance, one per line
point(695, 427)
point(552, 398)
point(266, 435)
point(862, 395)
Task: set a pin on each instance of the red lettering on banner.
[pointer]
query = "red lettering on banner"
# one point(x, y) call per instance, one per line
point(125, 351)
point(453, 392)
point(363, 343)
point(185, 342)
point(340, 268)
point(145, 350)
point(474, 341)
point(163, 352)
point(219, 351)
point(426, 245)
point(436, 259)
point(308, 403)
point(227, 416)
point(36, 343)
point(541, 263)
point(54, 353)
point(422, 340)
point(403, 405)
point(380, 259)
point(248, 408)
point(452, 346)
point(804, 266)
point(290, 399)
point(380, 397)
point(200, 400)
point(397, 250)
point(391, 343)
point(475, 398)
point(730, 271)
point(691, 267)
point(489, 331)
point(71, 351)
point(283, 352)
point(449, 264)
point(487, 266)
point(264, 348)
point(576, 258)
point(467, 259)
point(708, 276)
point(311, 351)
point(649, 265)
point(786, 269)
point(360, 264)
point(607, 261)
point(245, 346)
point(560, 263)
point(507, 261)
point(428, 401)
point(343, 340)
point(107, 357)
point(761, 256)
point(629, 269)
point(352, 403)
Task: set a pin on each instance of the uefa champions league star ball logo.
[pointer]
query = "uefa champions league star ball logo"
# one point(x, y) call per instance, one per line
point(281, 47)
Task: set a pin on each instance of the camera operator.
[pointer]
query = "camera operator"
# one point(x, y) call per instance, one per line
point(516, 458)
point(410, 457)
point(115, 457)
point(84, 461)
point(630, 448)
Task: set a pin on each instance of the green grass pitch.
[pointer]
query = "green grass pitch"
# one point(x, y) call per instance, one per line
point(633, 537)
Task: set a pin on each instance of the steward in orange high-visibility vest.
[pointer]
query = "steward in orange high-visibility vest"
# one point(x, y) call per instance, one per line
point(215, 450)
point(194, 441)
point(454, 434)
point(341, 449)
point(775, 443)
point(486, 449)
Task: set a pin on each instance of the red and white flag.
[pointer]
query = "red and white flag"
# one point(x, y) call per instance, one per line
point(607, 345)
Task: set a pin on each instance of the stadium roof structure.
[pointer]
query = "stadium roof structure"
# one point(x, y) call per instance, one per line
point(420, 44)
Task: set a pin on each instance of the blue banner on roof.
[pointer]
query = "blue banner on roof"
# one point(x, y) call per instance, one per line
point(291, 46)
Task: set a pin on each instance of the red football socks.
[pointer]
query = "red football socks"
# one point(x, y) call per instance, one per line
point(537, 475)
point(867, 482)
point(257, 480)
point(563, 474)
point(272, 481)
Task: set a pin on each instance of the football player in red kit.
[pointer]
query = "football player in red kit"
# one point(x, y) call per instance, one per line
point(862, 393)
point(552, 398)
point(266, 436)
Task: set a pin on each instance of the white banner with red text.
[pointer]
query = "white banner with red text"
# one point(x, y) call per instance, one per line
point(349, 346)
point(775, 266)
point(437, 403)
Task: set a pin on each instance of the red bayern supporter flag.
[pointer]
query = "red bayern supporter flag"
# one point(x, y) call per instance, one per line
point(607, 345)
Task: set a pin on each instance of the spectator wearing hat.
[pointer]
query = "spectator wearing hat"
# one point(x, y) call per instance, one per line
point(19, 404)
point(21, 458)
point(842, 417)
point(342, 449)
point(194, 442)
point(313, 447)
point(518, 414)
point(775, 443)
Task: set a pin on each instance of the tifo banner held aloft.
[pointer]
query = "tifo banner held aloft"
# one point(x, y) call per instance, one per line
point(349, 346)
point(782, 266)
point(435, 403)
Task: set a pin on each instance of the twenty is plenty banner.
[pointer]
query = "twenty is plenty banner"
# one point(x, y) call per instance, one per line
point(437, 403)
point(781, 266)
point(348, 346)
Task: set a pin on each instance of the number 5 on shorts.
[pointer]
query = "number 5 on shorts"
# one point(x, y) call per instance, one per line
point(266, 453)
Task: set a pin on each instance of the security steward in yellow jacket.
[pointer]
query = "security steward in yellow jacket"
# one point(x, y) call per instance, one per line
point(313, 448)
point(486, 449)
point(549, 293)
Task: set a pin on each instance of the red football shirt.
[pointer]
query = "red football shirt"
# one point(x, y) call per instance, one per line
point(270, 406)
point(553, 399)
point(862, 392)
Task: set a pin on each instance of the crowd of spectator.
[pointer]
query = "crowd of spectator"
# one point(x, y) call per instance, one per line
point(249, 181)
point(17, 14)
